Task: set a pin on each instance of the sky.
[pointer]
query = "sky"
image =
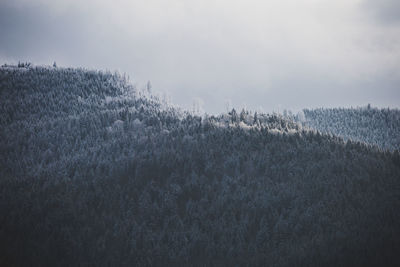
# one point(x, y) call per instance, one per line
point(265, 55)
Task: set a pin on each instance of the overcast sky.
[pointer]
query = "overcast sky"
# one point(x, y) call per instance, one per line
point(263, 54)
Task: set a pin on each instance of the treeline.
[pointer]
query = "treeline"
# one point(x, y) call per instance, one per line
point(95, 172)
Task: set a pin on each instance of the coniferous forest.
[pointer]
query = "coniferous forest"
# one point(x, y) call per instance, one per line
point(97, 172)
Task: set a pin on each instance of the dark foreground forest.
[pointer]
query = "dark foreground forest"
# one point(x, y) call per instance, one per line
point(95, 172)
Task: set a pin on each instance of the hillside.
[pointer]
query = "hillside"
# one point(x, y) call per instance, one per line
point(96, 172)
point(374, 126)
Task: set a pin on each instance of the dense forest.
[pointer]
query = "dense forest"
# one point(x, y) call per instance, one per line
point(94, 171)
point(374, 126)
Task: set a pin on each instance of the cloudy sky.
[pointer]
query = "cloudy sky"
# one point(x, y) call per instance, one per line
point(261, 54)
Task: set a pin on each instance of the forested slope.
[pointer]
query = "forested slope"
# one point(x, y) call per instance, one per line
point(374, 126)
point(95, 172)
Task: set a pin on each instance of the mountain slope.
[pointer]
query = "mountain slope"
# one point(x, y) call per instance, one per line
point(370, 125)
point(94, 172)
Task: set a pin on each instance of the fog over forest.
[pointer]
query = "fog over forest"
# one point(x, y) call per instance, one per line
point(200, 133)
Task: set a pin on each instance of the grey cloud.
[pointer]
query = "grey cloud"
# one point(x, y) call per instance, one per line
point(32, 32)
point(383, 11)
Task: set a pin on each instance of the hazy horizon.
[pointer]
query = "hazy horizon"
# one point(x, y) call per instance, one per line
point(269, 55)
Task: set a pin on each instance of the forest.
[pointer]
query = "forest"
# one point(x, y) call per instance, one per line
point(374, 126)
point(97, 172)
